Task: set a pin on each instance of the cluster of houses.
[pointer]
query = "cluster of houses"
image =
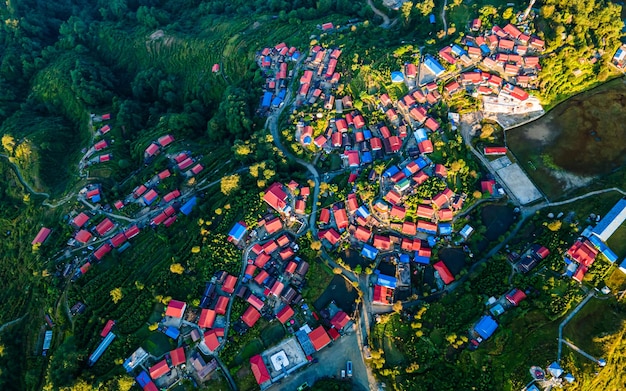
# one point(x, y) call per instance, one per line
point(274, 62)
point(101, 144)
point(592, 242)
point(319, 77)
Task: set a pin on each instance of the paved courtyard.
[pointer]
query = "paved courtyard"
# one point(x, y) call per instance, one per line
point(331, 360)
point(516, 180)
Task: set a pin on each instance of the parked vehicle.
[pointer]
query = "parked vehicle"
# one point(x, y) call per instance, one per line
point(349, 368)
point(343, 373)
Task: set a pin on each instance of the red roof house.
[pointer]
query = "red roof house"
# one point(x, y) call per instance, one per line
point(159, 369)
point(425, 212)
point(382, 242)
point(118, 239)
point(426, 146)
point(83, 236)
point(319, 338)
point(255, 302)
point(42, 235)
point(444, 272)
point(152, 149)
point(489, 151)
point(102, 251)
point(398, 212)
point(229, 284)
point(258, 366)
point(324, 216)
point(445, 214)
point(207, 318)
point(80, 220)
point(175, 308)
point(515, 296)
point(363, 234)
point(131, 232)
point(171, 195)
point(211, 341)
point(341, 218)
point(285, 314)
point(107, 327)
point(105, 226)
point(222, 304)
point(261, 277)
point(250, 316)
point(100, 145)
point(274, 225)
point(277, 288)
point(166, 140)
point(409, 228)
point(381, 294)
point(178, 356)
point(340, 320)
point(276, 197)
point(393, 197)
point(583, 252)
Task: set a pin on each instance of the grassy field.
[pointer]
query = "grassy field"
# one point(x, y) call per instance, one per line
point(318, 278)
point(598, 329)
point(588, 127)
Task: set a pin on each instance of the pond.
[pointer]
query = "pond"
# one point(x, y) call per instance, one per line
point(576, 142)
point(454, 258)
point(342, 292)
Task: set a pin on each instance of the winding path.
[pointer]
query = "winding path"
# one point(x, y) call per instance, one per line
point(7, 324)
point(567, 319)
point(386, 20)
point(443, 17)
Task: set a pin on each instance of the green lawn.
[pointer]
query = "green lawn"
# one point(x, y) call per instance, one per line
point(318, 278)
point(272, 334)
point(617, 242)
point(250, 349)
point(158, 344)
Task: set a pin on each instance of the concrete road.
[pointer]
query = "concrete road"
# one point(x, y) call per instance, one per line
point(331, 360)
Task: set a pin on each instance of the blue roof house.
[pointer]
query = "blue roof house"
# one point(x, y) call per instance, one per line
point(363, 212)
point(486, 326)
point(267, 99)
point(387, 281)
point(186, 209)
point(369, 252)
point(237, 232)
point(434, 66)
point(422, 260)
point(459, 51)
point(397, 77)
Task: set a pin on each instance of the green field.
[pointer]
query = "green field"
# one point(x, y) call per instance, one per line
point(587, 126)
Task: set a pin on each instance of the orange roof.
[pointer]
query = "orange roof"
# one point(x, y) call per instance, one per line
point(273, 225)
point(178, 356)
point(409, 228)
point(352, 203)
point(283, 240)
point(261, 260)
point(286, 253)
point(382, 242)
point(159, 369)
point(425, 211)
point(319, 338)
point(445, 214)
point(277, 288)
point(275, 197)
point(324, 216)
point(440, 200)
point(250, 316)
point(363, 234)
point(291, 267)
point(393, 197)
point(341, 218)
point(207, 318)
point(175, 308)
point(261, 277)
point(229, 284)
point(41, 235)
point(398, 212)
point(285, 314)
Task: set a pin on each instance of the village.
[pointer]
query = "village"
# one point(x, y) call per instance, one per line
point(392, 217)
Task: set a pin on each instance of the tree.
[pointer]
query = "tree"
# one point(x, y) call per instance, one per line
point(125, 383)
point(153, 326)
point(337, 270)
point(116, 295)
point(477, 194)
point(8, 143)
point(507, 14)
point(397, 307)
point(554, 225)
point(177, 268)
point(230, 184)
point(425, 7)
point(316, 245)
